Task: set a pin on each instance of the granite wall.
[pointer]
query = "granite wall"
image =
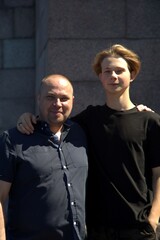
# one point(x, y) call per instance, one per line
point(17, 60)
point(39, 37)
point(70, 33)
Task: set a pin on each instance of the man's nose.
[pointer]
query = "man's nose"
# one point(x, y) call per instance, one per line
point(57, 102)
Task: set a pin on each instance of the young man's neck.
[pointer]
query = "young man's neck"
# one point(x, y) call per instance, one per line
point(119, 104)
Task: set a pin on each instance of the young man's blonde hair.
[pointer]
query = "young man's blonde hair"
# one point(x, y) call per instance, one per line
point(118, 50)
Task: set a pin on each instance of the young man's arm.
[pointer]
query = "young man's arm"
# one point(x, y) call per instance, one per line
point(154, 215)
point(26, 120)
point(25, 123)
point(4, 191)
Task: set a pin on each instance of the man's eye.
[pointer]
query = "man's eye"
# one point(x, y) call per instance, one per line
point(50, 98)
point(64, 99)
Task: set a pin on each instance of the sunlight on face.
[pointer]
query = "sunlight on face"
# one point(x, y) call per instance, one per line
point(55, 101)
point(115, 74)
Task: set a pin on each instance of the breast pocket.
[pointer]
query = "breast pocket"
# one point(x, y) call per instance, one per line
point(40, 162)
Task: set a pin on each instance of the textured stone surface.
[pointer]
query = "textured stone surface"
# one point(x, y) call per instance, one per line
point(17, 3)
point(6, 23)
point(1, 61)
point(87, 19)
point(17, 95)
point(17, 84)
point(87, 93)
point(19, 53)
point(143, 19)
point(12, 109)
point(24, 22)
point(42, 35)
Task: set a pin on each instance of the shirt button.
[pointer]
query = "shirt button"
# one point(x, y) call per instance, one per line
point(75, 223)
point(69, 184)
point(64, 167)
point(72, 203)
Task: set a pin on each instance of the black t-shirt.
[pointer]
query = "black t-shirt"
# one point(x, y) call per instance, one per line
point(124, 146)
point(47, 197)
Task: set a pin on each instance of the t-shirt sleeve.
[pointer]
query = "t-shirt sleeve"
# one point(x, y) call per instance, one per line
point(153, 146)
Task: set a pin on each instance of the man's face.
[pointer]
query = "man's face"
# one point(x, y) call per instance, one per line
point(55, 102)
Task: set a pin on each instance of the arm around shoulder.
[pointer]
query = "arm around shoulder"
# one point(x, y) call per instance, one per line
point(25, 123)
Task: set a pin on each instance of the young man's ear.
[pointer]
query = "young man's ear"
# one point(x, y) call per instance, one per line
point(133, 75)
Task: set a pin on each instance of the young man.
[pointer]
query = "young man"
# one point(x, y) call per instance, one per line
point(44, 174)
point(123, 194)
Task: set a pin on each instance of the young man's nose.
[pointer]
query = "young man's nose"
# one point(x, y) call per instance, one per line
point(114, 74)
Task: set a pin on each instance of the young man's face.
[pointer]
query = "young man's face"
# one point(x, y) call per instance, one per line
point(55, 102)
point(115, 76)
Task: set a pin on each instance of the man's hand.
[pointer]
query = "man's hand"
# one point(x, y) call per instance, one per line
point(25, 123)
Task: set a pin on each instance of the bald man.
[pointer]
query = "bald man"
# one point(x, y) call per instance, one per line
point(44, 174)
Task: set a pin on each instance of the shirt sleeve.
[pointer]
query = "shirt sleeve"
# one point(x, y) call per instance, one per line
point(7, 158)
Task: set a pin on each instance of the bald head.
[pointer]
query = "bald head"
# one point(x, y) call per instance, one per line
point(56, 80)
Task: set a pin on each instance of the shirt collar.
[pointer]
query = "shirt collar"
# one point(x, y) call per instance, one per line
point(43, 127)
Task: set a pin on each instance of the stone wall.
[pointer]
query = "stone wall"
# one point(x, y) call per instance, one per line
point(17, 60)
point(65, 39)
point(70, 33)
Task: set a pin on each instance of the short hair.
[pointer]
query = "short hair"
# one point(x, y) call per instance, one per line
point(118, 50)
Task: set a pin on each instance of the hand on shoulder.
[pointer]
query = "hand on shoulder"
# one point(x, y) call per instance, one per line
point(25, 123)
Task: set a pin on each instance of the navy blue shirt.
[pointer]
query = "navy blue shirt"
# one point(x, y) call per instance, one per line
point(47, 196)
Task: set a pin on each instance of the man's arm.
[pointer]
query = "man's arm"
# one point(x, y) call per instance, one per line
point(154, 214)
point(4, 191)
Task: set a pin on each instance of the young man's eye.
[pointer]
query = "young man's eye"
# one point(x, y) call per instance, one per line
point(119, 71)
point(107, 71)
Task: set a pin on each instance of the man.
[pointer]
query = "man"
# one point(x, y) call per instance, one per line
point(123, 194)
point(44, 174)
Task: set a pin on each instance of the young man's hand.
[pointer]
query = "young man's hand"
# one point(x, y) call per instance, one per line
point(25, 123)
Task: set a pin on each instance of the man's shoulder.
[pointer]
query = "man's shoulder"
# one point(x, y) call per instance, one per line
point(150, 115)
point(9, 132)
point(14, 136)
